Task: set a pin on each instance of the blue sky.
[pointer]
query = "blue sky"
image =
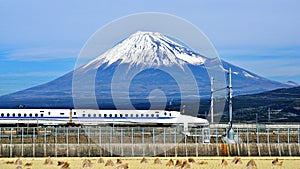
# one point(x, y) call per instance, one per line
point(40, 40)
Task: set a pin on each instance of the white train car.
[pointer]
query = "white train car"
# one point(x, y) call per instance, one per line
point(95, 117)
point(34, 116)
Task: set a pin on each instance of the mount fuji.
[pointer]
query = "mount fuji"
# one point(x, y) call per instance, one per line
point(146, 67)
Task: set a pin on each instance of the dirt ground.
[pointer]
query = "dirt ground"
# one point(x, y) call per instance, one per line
point(134, 163)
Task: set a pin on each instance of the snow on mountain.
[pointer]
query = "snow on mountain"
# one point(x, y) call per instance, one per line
point(149, 49)
point(247, 74)
point(291, 83)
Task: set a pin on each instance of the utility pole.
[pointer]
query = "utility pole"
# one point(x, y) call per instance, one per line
point(256, 118)
point(269, 115)
point(230, 134)
point(230, 131)
point(183, 109)
point(212, 99)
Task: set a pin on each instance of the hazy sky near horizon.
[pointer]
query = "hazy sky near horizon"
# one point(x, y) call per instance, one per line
point(40, 40)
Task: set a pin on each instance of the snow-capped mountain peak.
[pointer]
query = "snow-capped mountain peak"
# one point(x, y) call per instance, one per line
point(148, 49)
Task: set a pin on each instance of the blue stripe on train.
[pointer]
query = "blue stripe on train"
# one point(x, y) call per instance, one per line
point(3, 118)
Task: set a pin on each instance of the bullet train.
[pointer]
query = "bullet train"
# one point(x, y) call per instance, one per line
point(56, 117)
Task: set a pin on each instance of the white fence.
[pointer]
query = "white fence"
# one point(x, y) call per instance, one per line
point(147, 135)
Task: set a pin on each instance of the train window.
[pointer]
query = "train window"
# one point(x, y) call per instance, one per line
point(152, 115)
point(110, 115)
point(165, 113)
point(83, 115)
point(156, 112)
point(2, 114)
point(116, 115)
point(62, 114)
point(89, 115)
point(157, 115)
point(142, 115)
point(121, 115)
point(25, 115)
point(42, 111)
point(95, 115)
point(126, 115)
point(136, 115)
point(74, 113)
point(170, 114)
point(36, 115)
point(19, 115)
point(99, 115)
point(105, 115)
point(49, 113)
point(131, 115)
point(42, 115)
point(30, 115)
point(8, 115)
point(13, 114)
point(147, 115)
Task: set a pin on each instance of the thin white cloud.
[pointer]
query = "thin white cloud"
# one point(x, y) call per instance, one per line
point(255, 51)
point(33, 74)
point(40, 54)
point(271, 67)
point(267, 62)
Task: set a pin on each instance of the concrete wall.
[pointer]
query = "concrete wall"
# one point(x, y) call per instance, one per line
point(138, 150)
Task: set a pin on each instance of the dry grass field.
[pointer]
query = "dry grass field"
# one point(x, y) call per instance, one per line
point(135, 163)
